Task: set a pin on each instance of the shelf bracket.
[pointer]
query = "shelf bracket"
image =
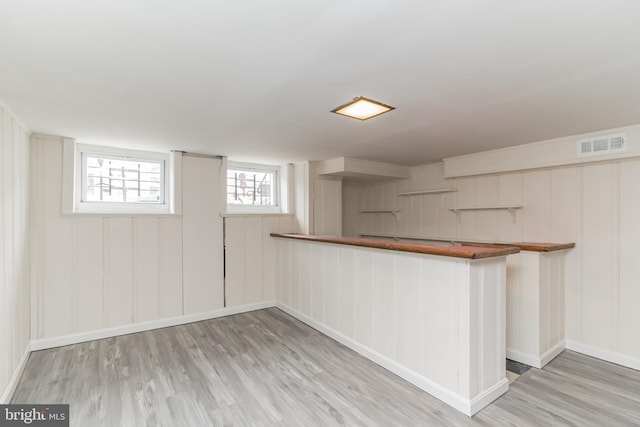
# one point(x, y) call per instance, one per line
point(457, 213)
point(510, 209)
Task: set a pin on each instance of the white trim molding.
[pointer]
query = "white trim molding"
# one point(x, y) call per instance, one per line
point(535, 360)
point(602, 354)
point(13, 383)
point(46, 343)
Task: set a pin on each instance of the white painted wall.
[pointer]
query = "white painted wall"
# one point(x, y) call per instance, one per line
point(92, 272)
point(325, 199)
point(14, 249)
point(327, 206)
point(202, 238)
point(535, 306)
point(251, 256)
point(541, 154)
point(318, 200)
point(351, 194)
point(594, 205)
point(303, 198)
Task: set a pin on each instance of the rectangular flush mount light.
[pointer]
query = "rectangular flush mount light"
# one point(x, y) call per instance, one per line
point(362, 108)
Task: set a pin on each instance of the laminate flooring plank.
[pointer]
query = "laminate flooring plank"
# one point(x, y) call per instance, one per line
point(566, 393)
point(265, 368)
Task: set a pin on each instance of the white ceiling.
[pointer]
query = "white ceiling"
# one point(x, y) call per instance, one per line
point(255, 79)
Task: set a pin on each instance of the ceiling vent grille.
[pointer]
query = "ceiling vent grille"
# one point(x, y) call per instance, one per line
point(601, 145)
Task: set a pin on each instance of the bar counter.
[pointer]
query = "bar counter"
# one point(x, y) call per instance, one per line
point(432, 314)
point(457, 250)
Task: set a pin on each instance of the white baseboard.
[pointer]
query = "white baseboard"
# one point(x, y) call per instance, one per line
point(466, 406)
point(45, 343)
point(552, 353)
point(606, 355)
point(17, 373)
point(526, 358)
point(535, 360)
point(489, 395)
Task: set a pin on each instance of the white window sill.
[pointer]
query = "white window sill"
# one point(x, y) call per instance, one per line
point(235, 214)
point(122, 214)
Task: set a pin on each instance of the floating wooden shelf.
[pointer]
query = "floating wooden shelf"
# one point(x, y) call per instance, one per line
point(377, 235)
point(420, 192)
point(398, 237)
point(393, 212)
point(486, 208)
point(511, 209)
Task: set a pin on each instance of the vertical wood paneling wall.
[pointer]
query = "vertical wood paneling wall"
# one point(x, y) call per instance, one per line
point(202, 238)
point(327, 206)
point(535, 306)
point(594, 205)
point(14, 248)
point(92, 272)
point(251, 257)
point(318, 201)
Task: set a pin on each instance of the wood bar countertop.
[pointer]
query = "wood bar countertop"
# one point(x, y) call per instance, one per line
point(524, 246)
point(539, 247)
point(530, 246)
point(458, 251)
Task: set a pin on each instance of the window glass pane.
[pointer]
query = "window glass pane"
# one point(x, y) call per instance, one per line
point(112, 179)
point(251, 187)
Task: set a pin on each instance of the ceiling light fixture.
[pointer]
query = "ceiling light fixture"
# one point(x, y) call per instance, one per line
point(362, 108)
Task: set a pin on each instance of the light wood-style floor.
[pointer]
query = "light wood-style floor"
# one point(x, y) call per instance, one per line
point(265, 368)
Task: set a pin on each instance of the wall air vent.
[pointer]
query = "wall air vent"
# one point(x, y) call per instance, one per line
point(601, 145)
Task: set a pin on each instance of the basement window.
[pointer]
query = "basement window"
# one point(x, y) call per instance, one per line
point(122, 179)
point(252, 188)
point(109, 180)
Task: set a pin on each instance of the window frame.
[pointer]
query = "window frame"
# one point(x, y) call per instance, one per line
point(80, 205)
point(255, 209)
point(84, 175)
